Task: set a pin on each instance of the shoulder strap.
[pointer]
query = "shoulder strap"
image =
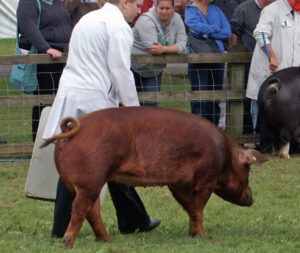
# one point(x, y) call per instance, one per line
point(40, 10)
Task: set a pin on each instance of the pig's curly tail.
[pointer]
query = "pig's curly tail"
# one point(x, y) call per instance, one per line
point(69, 127)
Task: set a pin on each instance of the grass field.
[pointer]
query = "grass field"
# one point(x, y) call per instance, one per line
point(271, 225)
point(7, 46)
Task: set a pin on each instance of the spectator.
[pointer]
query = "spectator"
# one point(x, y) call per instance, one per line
point(208, 24)
point(51, 37)
point(179, 7)
point(243, 22)
point(147, 4)
point(158, 31)
point(78, 8)
point(227, 6)
point(93, 79)
point(276, 49)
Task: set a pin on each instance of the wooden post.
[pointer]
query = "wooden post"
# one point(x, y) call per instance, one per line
point(235, 109)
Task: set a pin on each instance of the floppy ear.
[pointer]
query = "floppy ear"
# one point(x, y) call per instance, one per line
point(273, 87)
point(252, 156)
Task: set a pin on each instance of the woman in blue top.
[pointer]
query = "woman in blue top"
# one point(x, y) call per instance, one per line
point(205, 21)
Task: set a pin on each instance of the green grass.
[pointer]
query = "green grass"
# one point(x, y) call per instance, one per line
point(272, 224)
point(172, 83)
point(7, 46)
point(15, 121)
point(15, 124)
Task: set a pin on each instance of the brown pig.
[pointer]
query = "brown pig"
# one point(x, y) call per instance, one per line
point(146, 146)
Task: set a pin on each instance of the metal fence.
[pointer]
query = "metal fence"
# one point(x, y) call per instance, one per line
point(16, 107)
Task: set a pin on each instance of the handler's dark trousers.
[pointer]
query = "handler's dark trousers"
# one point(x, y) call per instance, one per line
point(62, 210)
point(130, 210)
point(265, 137)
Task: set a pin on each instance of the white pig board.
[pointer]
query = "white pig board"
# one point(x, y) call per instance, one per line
point(42, 176)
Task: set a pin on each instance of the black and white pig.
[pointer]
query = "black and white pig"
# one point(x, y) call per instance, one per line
point(279, 107)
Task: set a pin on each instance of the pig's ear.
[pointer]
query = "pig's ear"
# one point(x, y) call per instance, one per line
point(252, 156)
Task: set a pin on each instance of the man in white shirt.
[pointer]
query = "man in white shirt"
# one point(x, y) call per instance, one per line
point(97, 76)
point(277, 35)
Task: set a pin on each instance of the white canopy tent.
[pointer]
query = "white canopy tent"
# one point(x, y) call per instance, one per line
point(8, 18)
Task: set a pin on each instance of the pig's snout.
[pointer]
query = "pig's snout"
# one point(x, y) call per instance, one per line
point(246, 198)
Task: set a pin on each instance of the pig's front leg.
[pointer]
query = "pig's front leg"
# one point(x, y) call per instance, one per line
point(193, 202)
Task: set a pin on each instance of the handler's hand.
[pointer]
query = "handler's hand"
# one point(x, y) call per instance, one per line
point(273, 64)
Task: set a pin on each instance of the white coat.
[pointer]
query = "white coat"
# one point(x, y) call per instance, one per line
point(282, 30)
point(97, 73)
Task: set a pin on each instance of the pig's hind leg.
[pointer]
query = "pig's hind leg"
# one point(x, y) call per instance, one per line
point(281, 144)
point(95, 220)
point(82, 204)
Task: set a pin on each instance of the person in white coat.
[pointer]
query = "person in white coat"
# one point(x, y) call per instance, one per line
point(277, 35)
point(97, 76)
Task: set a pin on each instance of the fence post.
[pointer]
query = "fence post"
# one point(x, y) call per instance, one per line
point(235, 109)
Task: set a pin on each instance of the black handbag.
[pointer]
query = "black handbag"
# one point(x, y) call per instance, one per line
point(202, 45)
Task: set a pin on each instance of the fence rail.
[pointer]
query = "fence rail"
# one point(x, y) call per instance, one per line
point(232, 57)
point(233, 94)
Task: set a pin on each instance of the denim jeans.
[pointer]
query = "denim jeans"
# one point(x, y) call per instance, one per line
point(147, 84)
point(254, 114)
point(206, 77)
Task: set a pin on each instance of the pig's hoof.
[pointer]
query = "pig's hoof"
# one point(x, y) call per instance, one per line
point(196, 233)
point(104, 238)
point(285, 156)
point(68, 242)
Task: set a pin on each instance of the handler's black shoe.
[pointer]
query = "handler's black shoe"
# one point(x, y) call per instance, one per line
point(152, 225)
point(131, 229)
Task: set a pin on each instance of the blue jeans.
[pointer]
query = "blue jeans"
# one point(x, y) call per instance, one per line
point(147, 84)
point(254, 114)
point(206, 76)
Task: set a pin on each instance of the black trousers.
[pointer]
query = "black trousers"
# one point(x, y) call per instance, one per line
point(130, 210)
point(265, 137)
point(36, 114)
point(247, 119)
